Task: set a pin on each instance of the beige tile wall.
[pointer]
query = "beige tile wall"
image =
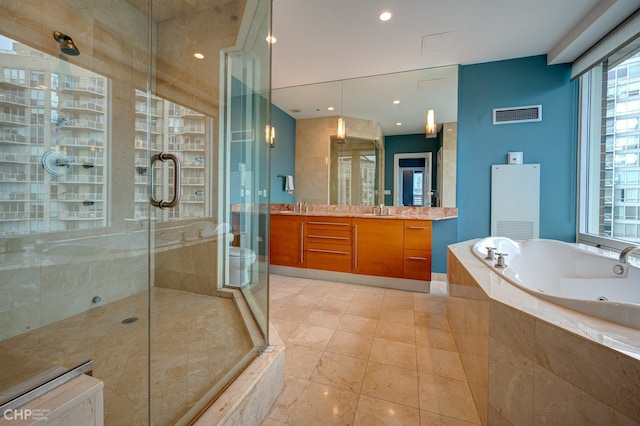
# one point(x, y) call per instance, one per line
point(538, 373)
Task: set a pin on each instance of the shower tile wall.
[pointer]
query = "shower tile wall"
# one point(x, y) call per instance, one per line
point(38, 288)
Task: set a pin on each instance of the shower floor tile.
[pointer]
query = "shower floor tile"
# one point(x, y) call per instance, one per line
point(195, 340)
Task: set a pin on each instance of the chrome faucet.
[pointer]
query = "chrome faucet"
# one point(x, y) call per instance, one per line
point(626, 252)
point(500, 261)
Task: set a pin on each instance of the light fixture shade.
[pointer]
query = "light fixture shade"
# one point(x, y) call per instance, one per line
point(430, 128)
point(342, 131)
point(270, 135)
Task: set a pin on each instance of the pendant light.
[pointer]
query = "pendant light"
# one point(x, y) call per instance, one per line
point(431, 129)
point(341, 136)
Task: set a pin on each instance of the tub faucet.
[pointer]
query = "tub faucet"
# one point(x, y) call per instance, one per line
point(626, 252)
point(490, 252)
point(500, 261)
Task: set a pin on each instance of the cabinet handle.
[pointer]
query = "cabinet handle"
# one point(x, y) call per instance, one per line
point(355, 246)
point(328, 251)
point(329, 223)
point(327, 237)
point(301, 242)
point(417, 227)
point(417, 258)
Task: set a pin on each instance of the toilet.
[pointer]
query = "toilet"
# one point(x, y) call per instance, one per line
point(240, 260)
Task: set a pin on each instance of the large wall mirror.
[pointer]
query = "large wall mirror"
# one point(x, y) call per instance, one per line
point(374, 108)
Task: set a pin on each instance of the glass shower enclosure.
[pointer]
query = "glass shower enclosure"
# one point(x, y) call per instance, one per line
point(133, 200)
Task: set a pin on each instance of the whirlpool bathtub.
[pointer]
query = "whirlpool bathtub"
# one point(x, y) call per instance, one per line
point(578, 277)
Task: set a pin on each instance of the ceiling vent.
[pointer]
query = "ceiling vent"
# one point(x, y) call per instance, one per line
point(522, 114)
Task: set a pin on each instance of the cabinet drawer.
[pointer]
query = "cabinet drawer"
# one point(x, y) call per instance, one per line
point(329, 257)
point(329, 236)
point(336, 223)
point(417, 264)
point(417, 235)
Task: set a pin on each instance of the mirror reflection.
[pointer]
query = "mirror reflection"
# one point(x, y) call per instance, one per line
point(396, 106)
point(354, 172)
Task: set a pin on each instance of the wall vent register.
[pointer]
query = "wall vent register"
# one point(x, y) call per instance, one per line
point(522, 114)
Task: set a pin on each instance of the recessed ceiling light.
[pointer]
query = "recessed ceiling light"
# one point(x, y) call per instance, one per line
point(396, 102)
point(198, 55)
point(271, 39)
point(385, 16)
point(331, 108)
point(398, 124)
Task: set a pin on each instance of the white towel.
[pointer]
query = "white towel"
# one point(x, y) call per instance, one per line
point(288, 184)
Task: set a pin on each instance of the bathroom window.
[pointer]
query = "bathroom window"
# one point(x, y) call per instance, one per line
point(52, 144)
point(610, 152)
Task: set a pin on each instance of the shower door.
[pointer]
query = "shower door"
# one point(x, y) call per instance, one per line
point(116, 218)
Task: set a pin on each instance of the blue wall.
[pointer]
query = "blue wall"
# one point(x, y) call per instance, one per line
point(552, 142)
point(407, 144)
point(283, 156)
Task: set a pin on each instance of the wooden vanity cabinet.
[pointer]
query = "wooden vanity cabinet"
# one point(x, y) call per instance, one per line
point(417, 249)
point(328, 243)
point(378, 247)
point(286, 241)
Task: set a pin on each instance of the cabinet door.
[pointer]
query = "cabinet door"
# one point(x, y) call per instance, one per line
point(378, 247)
point(417, 235)
point(417, 250)
point(286, 241)
point(417, 265)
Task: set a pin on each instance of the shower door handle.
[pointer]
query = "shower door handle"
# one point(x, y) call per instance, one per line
point(164, 156)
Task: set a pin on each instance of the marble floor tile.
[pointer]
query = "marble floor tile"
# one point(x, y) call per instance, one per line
point(440, 362)
point(391, 384)
point(357, 324)
point(435, 338)
point(394, 331)
point(350, 344)
point(311, 336)
point(397, 354)
point(363, 310)
point(300, 361)
point(373, 411)
point(323, 405)
point(399, 315)
point(340, 371)
point(323, 319)
point(390, 359)
point(447, 396)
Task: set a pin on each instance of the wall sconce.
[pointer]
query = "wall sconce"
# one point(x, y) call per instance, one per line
point(342, 131)
point(270, 135)
point(431, 129)
point(341, 135)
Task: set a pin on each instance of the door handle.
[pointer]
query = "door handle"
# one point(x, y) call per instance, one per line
point(162, 204)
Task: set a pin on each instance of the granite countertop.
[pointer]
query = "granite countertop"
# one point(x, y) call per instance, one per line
point(411, 213)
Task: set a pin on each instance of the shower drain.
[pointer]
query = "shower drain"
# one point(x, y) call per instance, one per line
point(129, 320)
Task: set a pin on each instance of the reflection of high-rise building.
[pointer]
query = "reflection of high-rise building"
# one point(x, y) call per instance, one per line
point(53, 143)
point(54, 146)
point(179, 130)
point(367, 173)
point(620, 196)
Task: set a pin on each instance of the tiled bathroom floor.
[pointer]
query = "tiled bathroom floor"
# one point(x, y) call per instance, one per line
point(359, 355)
point(195, 341)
